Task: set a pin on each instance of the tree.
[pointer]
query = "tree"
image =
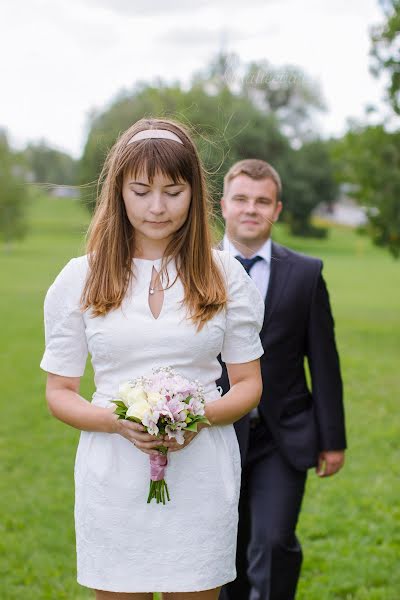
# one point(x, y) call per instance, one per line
point(50, 166)
point(285, 92)
point(229, 122)
point(385, 50)
point(369, 155)
point(13, 196)
point(310, 179)
point(226, 128)
point(369, 158)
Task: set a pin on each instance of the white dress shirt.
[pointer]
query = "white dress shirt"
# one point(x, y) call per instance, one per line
point(261, 269)
point(259, 273)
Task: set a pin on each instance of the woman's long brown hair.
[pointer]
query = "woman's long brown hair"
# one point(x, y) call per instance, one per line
point(111, 237)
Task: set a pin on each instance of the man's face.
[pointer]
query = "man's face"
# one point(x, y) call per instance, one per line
point(250, 208)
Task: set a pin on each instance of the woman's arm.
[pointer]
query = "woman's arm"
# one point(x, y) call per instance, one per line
point(244, 394)
point(65, 403)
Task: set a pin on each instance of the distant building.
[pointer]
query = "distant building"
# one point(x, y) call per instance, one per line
point(345, 211)
point(64, 191)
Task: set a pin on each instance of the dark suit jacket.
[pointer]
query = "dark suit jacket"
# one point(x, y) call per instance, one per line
point(298, 323)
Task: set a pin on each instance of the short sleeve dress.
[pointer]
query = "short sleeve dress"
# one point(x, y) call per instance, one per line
point(123, 543)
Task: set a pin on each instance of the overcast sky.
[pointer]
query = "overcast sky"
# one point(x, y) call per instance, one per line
point(59, 59)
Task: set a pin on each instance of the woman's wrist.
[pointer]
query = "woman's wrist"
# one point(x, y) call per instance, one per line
point(208, 413)
point(111, 421)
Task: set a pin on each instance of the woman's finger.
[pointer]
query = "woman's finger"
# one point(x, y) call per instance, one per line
point(132, 425)
point(174, 446)
point(145, 444)
point(140, 434)
point(140, 430)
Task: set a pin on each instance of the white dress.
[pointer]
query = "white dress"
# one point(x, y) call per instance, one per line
point(123, 543)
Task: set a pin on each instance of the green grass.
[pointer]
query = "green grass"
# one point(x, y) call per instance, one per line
point(350, 524)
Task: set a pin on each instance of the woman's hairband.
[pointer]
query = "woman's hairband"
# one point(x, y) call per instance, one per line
point(155, 133)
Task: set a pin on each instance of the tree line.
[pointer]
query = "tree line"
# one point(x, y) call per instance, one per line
point(237, 111)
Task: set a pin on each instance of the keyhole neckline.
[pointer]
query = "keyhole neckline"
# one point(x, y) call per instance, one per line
point(155, 261)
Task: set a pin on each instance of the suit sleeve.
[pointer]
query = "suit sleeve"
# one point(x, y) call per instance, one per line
point(323, 360)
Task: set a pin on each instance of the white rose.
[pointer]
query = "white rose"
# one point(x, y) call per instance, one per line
point(136, 394)
point(124, 390)
point(153, 398)
point(139, 409)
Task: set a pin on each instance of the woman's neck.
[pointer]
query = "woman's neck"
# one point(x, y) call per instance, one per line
point(152, 251)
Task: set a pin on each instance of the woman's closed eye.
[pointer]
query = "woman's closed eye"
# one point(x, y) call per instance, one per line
point(172, 194)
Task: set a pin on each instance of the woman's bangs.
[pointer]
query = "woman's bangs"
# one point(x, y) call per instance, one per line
point(151, 157)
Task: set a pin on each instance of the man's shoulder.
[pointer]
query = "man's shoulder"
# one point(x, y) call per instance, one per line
point(285, 253)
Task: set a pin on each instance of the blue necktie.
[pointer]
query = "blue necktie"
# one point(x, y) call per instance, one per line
point(248, 263)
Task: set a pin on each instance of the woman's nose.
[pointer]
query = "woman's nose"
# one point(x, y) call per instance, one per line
point(157, 204)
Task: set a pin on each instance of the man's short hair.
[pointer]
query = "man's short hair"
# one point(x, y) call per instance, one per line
point(255, 169)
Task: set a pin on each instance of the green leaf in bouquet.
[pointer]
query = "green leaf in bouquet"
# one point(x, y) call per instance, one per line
point(191, 427)
point(121, 413)
point(119, 403)
point(196, 420)
point(134, 419)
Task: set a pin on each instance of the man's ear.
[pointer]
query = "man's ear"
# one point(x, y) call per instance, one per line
point(278, 210)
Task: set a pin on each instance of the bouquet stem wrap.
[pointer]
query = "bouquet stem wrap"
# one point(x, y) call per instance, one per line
point(158, 486)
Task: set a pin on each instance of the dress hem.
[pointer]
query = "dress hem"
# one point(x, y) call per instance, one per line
point(156, 589)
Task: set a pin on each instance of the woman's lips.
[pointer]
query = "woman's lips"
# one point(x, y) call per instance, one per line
point(157, 223)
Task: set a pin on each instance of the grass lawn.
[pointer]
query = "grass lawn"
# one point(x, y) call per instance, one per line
point(350, 524)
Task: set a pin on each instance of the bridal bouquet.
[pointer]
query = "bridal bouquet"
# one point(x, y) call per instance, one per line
point(165, 403)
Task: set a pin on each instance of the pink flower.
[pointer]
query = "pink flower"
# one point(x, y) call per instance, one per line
point(196, 406)
point(177, 433)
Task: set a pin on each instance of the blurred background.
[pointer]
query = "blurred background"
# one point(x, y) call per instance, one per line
point(311, 87)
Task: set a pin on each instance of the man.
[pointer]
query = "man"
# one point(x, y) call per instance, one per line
point(292, 429)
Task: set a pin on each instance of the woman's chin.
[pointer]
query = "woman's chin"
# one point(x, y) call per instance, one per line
point(158, 233)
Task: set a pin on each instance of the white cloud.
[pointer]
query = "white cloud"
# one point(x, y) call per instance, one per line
point(161, 7)
point(147, 7)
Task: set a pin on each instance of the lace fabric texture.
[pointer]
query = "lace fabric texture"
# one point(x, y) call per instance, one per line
point(123, 543)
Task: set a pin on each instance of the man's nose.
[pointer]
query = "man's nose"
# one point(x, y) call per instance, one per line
point(250, 208)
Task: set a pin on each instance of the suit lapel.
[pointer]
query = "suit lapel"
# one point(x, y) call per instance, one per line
point(279, 273)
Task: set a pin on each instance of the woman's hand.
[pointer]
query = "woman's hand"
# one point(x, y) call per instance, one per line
point(189, 436)
point(137, 435)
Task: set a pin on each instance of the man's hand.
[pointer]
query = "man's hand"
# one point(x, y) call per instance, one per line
point(329, 462)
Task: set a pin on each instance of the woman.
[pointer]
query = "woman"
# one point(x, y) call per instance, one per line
point(151, 292)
